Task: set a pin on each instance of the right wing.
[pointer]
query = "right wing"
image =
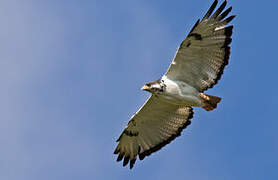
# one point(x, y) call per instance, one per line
point(155, 125)
point(202, 56)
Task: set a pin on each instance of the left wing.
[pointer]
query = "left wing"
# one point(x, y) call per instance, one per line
point(202, 56)
point(155, 125)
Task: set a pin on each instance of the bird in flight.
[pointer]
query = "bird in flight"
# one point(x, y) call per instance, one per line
point(197, 66)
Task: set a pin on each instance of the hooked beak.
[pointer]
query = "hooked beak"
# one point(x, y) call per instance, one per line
point(145, 88)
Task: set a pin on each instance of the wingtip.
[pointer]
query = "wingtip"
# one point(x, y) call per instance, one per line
point(220, 9)
point(116, 151)
point(229, 19)
point(141, 156)
point(120, 157)
point(131, 163)
point(225, 13)
point(211, 9)
point(126, 160)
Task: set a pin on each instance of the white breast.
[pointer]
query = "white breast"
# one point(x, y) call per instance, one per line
point(172, 87)
point(181, 93)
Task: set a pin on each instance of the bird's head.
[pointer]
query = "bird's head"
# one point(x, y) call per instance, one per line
point(155, 87)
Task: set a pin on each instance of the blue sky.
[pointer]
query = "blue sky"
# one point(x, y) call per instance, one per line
point(71, 73)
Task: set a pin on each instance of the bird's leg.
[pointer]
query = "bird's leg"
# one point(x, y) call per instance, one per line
point(207, 106)
point(204, 97)
point(209, 102)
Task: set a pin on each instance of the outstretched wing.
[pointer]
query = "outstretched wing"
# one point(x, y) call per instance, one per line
point(202, 56)
point(156, 124)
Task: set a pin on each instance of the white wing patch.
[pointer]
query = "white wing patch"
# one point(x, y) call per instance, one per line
point(219, 28)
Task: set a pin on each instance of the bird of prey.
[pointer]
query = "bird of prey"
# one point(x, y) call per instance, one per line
point(197, 66)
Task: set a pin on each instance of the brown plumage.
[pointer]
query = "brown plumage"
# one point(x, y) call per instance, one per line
point(198, 65)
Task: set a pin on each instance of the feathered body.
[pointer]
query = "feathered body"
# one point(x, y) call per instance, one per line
point(196, 67)
point(180, 93)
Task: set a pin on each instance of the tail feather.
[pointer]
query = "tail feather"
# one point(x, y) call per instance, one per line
point(210, 102)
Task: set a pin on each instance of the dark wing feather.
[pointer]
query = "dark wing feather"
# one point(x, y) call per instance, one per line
point(202, 56)
point(155, 125)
